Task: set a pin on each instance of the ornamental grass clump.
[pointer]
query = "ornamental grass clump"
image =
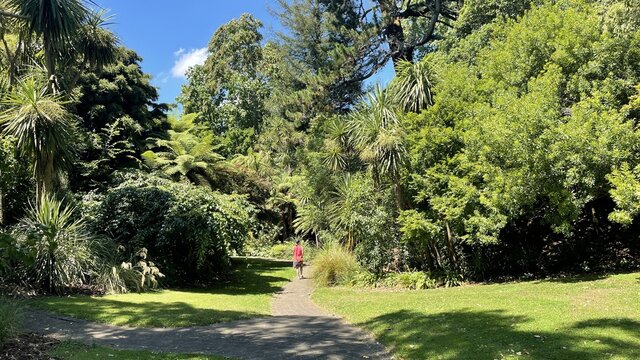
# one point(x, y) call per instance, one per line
point(334, 265)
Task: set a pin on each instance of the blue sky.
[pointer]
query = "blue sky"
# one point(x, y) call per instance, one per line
point(172, 35)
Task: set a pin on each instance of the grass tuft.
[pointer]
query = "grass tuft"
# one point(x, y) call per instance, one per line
point(333, 265)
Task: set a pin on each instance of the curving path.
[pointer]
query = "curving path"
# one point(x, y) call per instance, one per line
point(298, 330)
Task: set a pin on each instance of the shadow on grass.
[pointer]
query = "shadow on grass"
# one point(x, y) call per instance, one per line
point(147, 314)
point(251, 277)
point(573, 279)
point(468, 334)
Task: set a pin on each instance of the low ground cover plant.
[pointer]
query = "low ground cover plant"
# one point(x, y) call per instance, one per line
point(10, 319)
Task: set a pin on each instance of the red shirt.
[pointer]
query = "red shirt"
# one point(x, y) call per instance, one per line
point(297, 253)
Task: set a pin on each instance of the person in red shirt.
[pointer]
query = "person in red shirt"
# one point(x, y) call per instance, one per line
point(298, 261)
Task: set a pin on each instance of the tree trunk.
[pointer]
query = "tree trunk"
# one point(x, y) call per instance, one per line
point(397, 191)
point(452, 254)
point(393, 32)
point(44, 185)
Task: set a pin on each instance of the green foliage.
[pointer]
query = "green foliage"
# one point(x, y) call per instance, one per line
point(280, 251)
point(190, 230)
point(56, 21)
point(119, 111)
point(188, 154)
point(137, 273)
point(16, 185)
point(10, 319)
point(514, 138)
point(625, 192)
point(43, 128)
point(411, 280)
point(63, 252)
point(333, 265)
point(229, 90)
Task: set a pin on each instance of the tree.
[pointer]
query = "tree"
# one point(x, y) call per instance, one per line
point(56, 21)
point(229, 90)
point(412, 86)
point(72, 36)
point(377, 133)
point(119, 111)
point(186, 155)
point(519, 153)
point(43, 128)
point(312, 60)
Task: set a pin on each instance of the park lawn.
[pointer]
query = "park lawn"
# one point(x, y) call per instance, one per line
point(76, 351)
point(584, 318)
point(248, 296)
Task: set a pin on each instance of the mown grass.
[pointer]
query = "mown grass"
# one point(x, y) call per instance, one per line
point(580, 318)
point(249, 295)
point(75, 351)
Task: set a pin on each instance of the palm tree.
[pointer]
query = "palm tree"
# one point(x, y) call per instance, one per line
point(343, 207)
point(412, 85)
point(311, 218)
point(185, 156)
point(56, 21)
point(377, 133)
point(94, 42)
point(43, 128)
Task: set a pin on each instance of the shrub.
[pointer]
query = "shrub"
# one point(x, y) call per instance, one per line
point(412, 280)
point(285, 250)
point(361, 278)
point(190, 230)
point(137, 273)
point(281, 251)
point(334, 265)
point(260, 240)
point(10, 319)
point(12, 258)
point(61, 250)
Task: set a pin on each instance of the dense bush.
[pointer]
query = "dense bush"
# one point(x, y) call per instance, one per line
point(10, 319)
point(281, 251)
point(519, 158)
point(16, 183)
point(191, 231)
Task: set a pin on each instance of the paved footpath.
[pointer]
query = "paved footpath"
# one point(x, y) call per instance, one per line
point(298, 330)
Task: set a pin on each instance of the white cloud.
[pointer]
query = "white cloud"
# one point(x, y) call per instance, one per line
point(187, 59)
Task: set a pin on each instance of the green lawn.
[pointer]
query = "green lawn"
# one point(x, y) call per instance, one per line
point(249, 296)
point(580, 318)
point(75, 351)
